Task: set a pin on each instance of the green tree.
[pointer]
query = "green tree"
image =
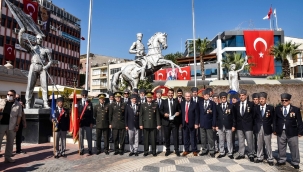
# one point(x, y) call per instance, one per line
point(237, 59)
point(281, 52)
point(202, 47)
point(145, 84)
point(173, 57)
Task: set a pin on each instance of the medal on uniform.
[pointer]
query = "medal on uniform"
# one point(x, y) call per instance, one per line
point(267, 114)
point(248, 109)
point(88, 107)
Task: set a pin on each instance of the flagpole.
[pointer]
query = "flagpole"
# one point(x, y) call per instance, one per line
point(276, 19)
point(88, 43)
point(194, 43)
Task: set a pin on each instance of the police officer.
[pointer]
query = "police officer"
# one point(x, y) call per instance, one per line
point(149, 121)
point(102, 124)
point(117, 123)
point(288, 127)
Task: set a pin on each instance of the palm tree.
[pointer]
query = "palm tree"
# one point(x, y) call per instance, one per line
point(203, 47)
point(235, 58)
point(281, 52)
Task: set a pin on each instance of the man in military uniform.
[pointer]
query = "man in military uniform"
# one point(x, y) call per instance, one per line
point(85, 112)
point(149, 121)
point(102, 124)
point(117, 123)
point(288, 127)
point(132, 124)
point(264, 115)
point(62, 117)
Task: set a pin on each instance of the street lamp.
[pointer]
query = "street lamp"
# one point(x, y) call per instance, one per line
point(300, 55)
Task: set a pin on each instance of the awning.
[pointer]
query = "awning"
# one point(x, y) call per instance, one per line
point(63, 90)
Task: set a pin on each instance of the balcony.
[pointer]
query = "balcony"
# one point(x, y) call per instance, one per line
point(101, 86)
point(104, 75)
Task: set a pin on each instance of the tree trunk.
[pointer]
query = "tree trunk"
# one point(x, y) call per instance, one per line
point(202, 67)
point(285, 69)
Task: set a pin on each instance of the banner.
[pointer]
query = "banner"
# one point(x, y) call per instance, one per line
point(44, 18)
point(31, 8)
point(258, 45)
point(9, 52)
point(173, 74)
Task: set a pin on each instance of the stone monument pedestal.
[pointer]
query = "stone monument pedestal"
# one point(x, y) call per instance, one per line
point(39, 126)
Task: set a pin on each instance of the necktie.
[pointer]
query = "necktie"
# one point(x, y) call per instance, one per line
point(83, 103)
point(179, 100)
point(59, 110)
point(195, 99)
point(134, 108)
point(242, 109)
point(159, 102)
point(205, 105)
point(186, 112)
point(148, 104)
point(118, 104)
point(224, 107)
point(262, 111)
point(285, 112)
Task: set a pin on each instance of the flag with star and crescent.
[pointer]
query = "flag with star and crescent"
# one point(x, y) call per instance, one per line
point(31, 8)
point(258, 45)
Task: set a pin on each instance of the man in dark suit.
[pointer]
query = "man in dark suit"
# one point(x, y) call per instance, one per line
point(190, 123)
point(62, 118)
point(255, 100)
point(288, 127)
point(85, 112)
point(117, 123)
point(142, 98)
point(126, 98)
point(132, 110)
point(225, 125)
point(211, 93)
point(243, 111)
point(111, 98)
point(102, 124)
point(180, 95)
point(171, 120)
point(207, 110)
point(195, 97)
point(149, 121)
point(264, 115)
point(158, 101)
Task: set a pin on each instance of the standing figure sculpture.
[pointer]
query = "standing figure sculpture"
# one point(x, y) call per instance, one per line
point(233, 76)
point(40, 62)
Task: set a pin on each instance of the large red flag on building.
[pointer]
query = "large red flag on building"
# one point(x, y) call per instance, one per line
point(74, 121)
point(31, 8)
point(258, 45)
point(185, 75)
point(160, 75)
point(9, 52)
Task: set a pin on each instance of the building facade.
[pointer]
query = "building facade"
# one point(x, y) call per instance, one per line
point(62, 34)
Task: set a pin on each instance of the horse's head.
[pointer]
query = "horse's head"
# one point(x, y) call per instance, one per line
point(163, 40)
point(156, 39)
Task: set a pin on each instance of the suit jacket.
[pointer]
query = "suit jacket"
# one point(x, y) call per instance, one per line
point(266, 121)
point(102, 115)
point(87, 118)
point(193, 114)
point(207, 116)
point(116, 115)
point(128, 101)
point(164, 108)
point(293, 121)
point(246, 121)
point(199, 99)
point(63, 124)
point(131, 117)
point(225, 118)
point(149, 116)
point(139, 100)
point(182, 99)
point(159, 105)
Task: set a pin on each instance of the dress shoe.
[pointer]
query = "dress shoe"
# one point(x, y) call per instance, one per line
point(195, 153)
point(271, 163)
point(56, 156)
point(121, 153)
point(116, 153)
point(203, 154)
point(280, 163)
point(240, 157)
point(20, 152)
point(136, 154)
point(90, 152)
point(177, 153)
point(145, 154)
point(185, 153)
point(258, 161)
point(251, 159)
point(154, 154)
point(167, 153)
point(81, 153)
point(98, 152)
point(106, 152)
point(230, 156)
point(296, 166)
point(63, 155)
point(221, 156)
point(212, 155)
point(10, 160)
point(131, 154)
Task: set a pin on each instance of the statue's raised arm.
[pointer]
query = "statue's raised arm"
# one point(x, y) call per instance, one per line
point(233, 76)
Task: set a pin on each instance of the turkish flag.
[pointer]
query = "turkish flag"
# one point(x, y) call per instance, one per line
point(9, 52)
point(258, 45)
point(185, 75)
point(74, 121)
point(160, 75)
point(31, 8)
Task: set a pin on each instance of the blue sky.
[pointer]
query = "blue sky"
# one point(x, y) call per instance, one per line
point(116, 22)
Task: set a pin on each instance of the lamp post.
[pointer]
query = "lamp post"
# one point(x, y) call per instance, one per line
point(300, 64)
point(88, 43)
point(194, 42)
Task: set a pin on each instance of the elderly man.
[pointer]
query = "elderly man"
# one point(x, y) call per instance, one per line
point(10, 118)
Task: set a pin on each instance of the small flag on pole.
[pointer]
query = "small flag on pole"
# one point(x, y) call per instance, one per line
point(268, 14)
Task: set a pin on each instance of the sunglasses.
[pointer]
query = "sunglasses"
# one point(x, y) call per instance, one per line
point(10, 95)
point(285, 100)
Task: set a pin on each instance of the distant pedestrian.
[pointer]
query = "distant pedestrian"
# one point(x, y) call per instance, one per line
point(19, 137)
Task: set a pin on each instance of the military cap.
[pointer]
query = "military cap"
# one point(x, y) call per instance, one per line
point(102, 96)
point(60, 99)
point(209, 89)
point(262, 94)
point(179, 90)
point(159, 91)
point(110, 94)
point(135, 90)
point(134, 96)
point(149, 94)
point(205, 92)
point(222, 94)
point(243, 92)
point(286, 96)
point(255, 95)
point(142, 90)
point(194, 89)
point(118, 94)
point(84, 92)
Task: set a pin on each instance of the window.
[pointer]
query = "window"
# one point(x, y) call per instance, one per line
point(114, 70)
point(1, 41)
point(96, 72)
point(103, 82)
point(96, 81)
